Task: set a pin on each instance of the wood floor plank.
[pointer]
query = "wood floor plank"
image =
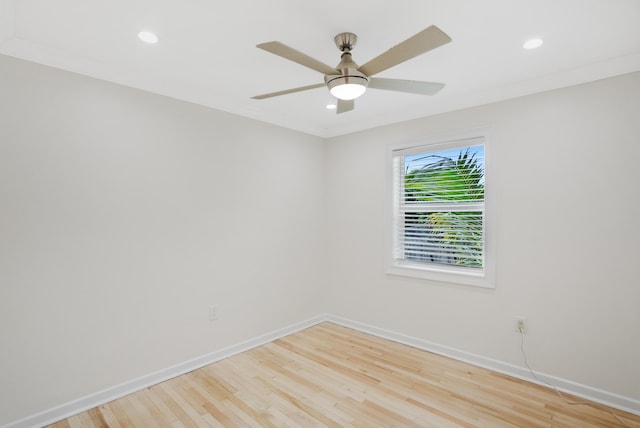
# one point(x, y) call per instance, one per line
point(121, 415)
point(160, 392)
point(333, 376)
point(110, 419)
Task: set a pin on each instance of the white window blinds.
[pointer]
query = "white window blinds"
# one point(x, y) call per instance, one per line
point(438, 207)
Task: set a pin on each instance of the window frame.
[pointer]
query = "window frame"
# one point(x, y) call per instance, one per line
point(437, 272)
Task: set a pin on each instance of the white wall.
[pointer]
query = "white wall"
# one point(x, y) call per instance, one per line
point(124, 215)
point(565, 168)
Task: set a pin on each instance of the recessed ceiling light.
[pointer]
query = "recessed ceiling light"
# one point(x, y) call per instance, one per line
point(148, 37)
point(331, 106)
point(532, 43)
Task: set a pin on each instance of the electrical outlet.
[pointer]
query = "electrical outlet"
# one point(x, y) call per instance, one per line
point(521, 325)
point(214, 312)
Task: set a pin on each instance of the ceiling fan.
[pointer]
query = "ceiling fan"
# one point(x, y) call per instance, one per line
point(347, 81)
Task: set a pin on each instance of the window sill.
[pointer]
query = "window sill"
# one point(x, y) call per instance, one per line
point(479, 279)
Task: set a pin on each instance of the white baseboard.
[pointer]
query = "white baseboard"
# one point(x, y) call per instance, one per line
point(101, 397)
point(593, 394)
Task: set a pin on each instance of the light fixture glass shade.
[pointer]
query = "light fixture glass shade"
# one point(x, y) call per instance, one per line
point(348, 87)
point(348, 91)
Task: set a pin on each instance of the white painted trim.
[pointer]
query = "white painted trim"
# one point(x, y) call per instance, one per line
point(626, 404)
point(101, 397)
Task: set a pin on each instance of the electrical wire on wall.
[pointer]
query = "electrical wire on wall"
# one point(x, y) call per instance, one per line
point(555, 388)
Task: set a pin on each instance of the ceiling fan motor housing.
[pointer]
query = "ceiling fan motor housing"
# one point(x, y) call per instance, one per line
point(353, 76)
point(348, 70)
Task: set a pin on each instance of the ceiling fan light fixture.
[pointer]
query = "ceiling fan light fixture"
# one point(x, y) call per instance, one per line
point(348, 87)
point(348, 81)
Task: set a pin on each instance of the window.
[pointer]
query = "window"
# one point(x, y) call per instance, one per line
point(438, 220)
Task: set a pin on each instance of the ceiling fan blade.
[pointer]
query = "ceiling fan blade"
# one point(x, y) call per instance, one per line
point(422, 42)
point(291, 54)
point(345, 106)
point(410, 86)
point(287, 91)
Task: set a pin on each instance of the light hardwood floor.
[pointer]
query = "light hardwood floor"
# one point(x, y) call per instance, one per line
point(333, 376)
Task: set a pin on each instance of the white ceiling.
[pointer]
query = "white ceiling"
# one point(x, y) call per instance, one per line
point(207, 52)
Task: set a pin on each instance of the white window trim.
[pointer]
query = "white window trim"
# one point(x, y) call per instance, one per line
point(449, 274)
